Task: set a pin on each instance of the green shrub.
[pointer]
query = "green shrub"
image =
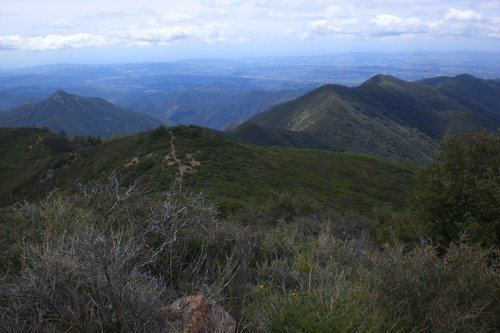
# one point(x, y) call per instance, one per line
point(304, 272)
point(58, 144)
point(426, 292)
point(308, 312)
point(387, 224)
point(278, 206)
point(303, 312)
point(87, 141)
point(159, 133)
point(459, 193)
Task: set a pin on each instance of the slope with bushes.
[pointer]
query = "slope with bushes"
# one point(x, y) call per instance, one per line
point(481, 95)
point(109, 256)
point(385, 116)
point(76, 115)
point(111, 253)
point(236, 175)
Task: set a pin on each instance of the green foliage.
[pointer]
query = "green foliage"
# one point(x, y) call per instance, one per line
point(88, 140)
point(58, 143)
point(480, 95)
point(308, 273)
point(279, 257)
point(339, 118)
point(328, 276)
point(236, 176)
point(279, 206)
point(384, 116)
point(458, 195)
point(159, 133)
point(388, 224)
point(309, 312)
point(428, 292)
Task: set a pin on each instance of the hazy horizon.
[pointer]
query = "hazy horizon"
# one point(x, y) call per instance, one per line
point(77, 31)
point(91, 62)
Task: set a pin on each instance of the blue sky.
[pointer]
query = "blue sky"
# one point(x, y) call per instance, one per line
point(92, 31)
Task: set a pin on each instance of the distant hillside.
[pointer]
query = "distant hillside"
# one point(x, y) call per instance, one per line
point(481, 96)
point(264, 136)
point(8, 101)
point(213, 105)
point(12, 97)
point(35, 161)
point(385, 116)
point(77, 115)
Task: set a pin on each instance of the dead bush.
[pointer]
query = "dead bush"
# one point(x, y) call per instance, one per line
point(86, 281)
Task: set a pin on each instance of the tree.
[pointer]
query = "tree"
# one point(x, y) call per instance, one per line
point(458, 194)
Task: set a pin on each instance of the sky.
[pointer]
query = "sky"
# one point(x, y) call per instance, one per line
point(102, 31)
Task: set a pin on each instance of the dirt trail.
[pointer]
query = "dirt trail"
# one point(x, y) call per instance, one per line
point(132, 162)
point(30, 148)
point(171, 159)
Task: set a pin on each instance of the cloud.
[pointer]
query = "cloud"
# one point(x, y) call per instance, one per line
point(452, 23)
point(164, 35)
point(462, 15)
point(158, 36)
point(31, 25)
point(387, 20)
point(391, 25)
point(208, 33)
point(382, 25)
point(55, 42)
point(11, 42)
point(338, 26)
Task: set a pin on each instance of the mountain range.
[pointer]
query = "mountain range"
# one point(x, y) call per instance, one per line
point(214, 105)
point(76, 115)
point(385, 115)
point(177, 94)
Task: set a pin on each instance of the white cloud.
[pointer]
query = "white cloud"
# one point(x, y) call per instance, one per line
point(462, 15)
point(11, 42)
point(55, 42)
point(391, 25)
point(387, 20)
point(55, 24)
point(163, 35)
point(332, 26)
point(381, 25)
point(159, 36)
point(452, 23)
point(208, 33)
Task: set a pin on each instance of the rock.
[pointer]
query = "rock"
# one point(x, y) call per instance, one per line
point(196, 314)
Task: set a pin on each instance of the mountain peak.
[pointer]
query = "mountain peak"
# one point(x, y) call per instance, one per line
point(78, 115)
point(381, 78)
point(61, 97)
point(60, 94)
point(465, 77)
point(28, 102)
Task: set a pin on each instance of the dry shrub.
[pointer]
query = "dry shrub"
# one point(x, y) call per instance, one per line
point(107, 257)
point(333, 278)
point(85, 281)
point(456, 292)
